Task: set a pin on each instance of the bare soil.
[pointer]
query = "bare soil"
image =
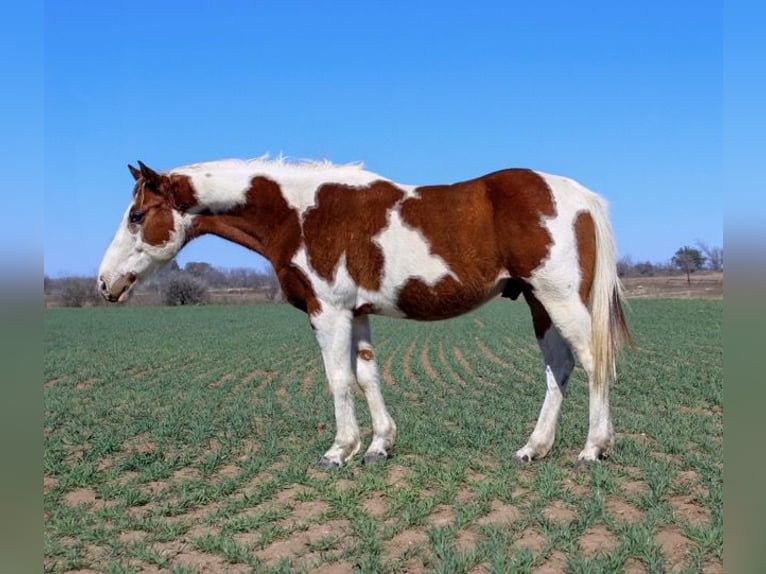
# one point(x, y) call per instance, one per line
point(702, 285)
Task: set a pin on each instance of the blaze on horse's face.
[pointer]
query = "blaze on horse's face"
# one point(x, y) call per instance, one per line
point(150, 234)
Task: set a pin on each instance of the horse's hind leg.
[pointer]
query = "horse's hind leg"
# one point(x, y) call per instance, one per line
point(559, 363)
point(363, 358)
point(571, 317)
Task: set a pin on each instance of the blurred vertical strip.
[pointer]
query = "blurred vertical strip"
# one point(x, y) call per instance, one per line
point(21, 313)
point(744, 94)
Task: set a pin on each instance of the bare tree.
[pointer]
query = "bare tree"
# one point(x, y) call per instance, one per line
point(625, 266)
point(206, 272)
point(78, 291)
point(714, 255)
point(688, 260)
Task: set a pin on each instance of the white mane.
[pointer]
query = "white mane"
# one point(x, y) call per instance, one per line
point(223, 184)
point(265, 163)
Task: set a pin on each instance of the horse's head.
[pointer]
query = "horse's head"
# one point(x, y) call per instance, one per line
point(151, 232)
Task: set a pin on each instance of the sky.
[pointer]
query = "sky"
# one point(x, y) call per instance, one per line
point(624, 97)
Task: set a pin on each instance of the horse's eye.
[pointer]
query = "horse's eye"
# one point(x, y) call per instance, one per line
point(136, 216)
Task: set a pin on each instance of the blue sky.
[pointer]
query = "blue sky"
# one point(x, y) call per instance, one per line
point(624, 97)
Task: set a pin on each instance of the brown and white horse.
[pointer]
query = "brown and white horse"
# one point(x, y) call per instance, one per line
point(346, 243)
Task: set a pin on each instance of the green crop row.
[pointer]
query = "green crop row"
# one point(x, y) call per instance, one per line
point(184, 439)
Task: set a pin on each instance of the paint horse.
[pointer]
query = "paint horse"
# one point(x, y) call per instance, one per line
point(346, 243)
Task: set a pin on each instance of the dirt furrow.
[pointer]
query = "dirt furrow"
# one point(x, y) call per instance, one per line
point(224, 379)
point(490, 355)
point(308, 379)
point(432, 373)
point(388, 378)
point(266, 376)
point(458, 354)
point(447, 367)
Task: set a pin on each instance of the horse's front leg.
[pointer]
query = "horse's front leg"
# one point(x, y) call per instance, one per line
point(333, 331)
point(383, 426)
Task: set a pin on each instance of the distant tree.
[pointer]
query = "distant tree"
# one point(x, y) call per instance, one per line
point(158, 281)
point(625, 266)
point(239, 277)
point(688, 260)
point(272, 285)
point(186, 289)
point(209, 274)
point(198, 268)
point(170, 268)
point(78, 291)
point(714, 255)
point(645, 269)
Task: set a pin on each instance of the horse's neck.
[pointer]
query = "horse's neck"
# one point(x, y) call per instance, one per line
point(260, 204)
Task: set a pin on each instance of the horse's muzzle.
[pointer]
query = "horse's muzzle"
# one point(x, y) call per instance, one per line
point(119, 290)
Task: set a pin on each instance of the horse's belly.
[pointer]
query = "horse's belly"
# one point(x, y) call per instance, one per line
point(447, 298)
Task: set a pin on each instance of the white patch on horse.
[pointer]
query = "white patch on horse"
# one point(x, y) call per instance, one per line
point(339, 292)
point(567, 198)
point(218, 186)
point(407, 255)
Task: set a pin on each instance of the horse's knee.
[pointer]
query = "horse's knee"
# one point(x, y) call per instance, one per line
point(366, 354)
point(366, 368)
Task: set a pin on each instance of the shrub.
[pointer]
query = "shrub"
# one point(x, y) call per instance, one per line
point(185, 289)
point(78, 292)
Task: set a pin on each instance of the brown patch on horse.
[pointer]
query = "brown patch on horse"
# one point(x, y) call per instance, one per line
point(448, 298)
point(520, 199)
point(268, 225)
point(343, 222)
point(456, 220)
point(298, 290)
point(541, 321)
point(479, 227)
point(157, 195)
point(366, 354)
point(265, 223)
point(585, 236)
point(365, 309)
point(157, 224)
point(180, 189)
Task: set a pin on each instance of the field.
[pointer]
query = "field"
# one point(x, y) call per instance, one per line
point(184, 440)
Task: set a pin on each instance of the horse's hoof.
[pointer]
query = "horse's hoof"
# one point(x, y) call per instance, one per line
point(522, 460)
point(586, 463)
point(374, 457)
point(326, 464)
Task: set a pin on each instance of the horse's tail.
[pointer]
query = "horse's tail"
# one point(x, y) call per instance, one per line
point(609, 330)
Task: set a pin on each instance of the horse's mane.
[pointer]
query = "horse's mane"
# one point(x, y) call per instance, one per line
point(265, 162)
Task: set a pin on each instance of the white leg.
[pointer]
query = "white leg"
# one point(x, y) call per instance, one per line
point(559, 363)
point(333, 333)
point(572, 319)
point(363, 357)
point(600, 431)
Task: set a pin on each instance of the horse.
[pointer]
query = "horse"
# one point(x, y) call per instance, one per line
point(346, 243)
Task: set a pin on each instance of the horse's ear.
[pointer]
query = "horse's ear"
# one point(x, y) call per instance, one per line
point(151, 177)
point(135, 172)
